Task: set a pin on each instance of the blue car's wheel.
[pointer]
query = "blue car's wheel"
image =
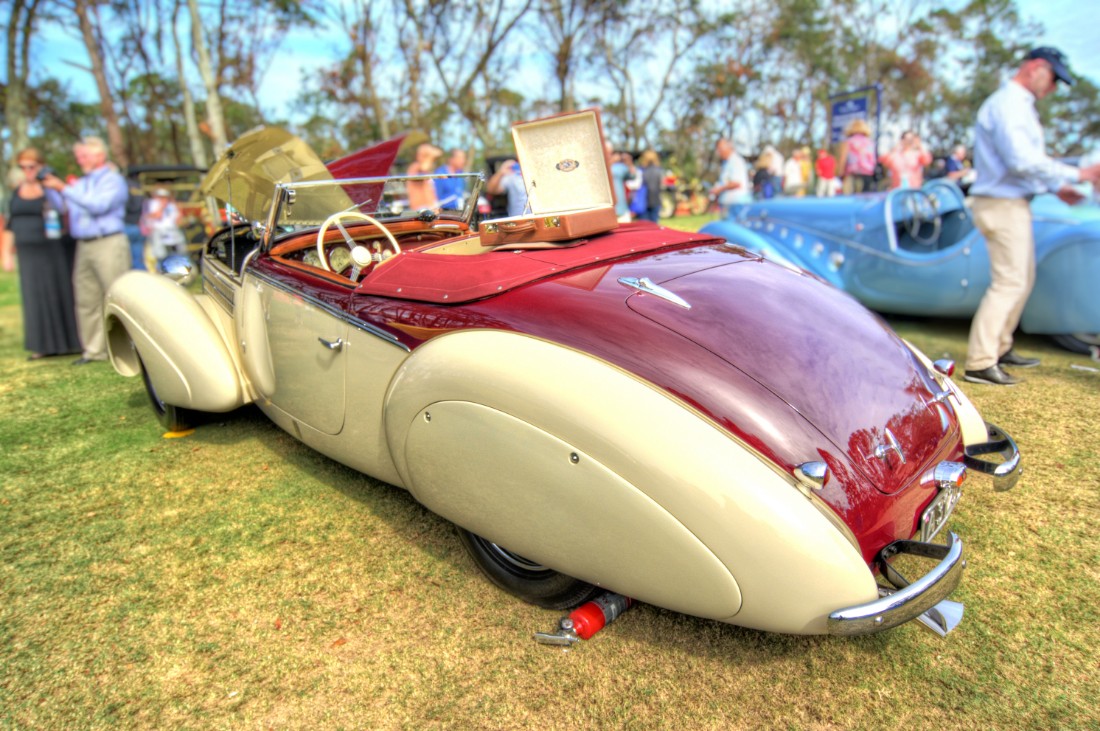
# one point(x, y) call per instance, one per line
point(1082, 343)
point(532, 582)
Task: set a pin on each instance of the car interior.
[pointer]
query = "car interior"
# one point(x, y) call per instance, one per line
point(926, 220)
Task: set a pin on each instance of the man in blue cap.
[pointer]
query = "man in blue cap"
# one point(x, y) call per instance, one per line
point(1012, 168)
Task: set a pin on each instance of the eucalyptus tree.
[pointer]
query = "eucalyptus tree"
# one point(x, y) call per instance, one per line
point(17, 64)
point(349, 98)
point(466, 43)
point(642, 47)
point(91, 31)
point(190, 118)
point(567, 32)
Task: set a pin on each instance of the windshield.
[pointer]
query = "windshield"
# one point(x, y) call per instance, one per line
point(309, 204)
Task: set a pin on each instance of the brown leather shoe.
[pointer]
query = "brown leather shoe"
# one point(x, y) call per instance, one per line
point(994, 375)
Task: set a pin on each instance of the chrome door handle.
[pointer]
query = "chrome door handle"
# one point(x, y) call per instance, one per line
point(336, 344)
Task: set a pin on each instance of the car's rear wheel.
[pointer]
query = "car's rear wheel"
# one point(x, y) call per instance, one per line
point(530, 581)
point(1082, 343)
point(172, 418)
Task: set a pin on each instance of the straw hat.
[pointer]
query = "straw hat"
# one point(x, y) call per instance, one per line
point(857, 127)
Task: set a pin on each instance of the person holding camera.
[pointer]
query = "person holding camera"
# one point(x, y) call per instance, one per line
point(97, 211)
point(907, 161)
point(34, 231)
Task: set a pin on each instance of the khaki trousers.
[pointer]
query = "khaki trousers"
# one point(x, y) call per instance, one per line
point(99, 262)
point(1006, 225)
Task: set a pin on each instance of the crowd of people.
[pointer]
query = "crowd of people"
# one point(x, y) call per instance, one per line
point(638, 185)
point(855, 168)
point(74, 237)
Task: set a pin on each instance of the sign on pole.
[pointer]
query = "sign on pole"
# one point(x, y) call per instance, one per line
point(849, 106)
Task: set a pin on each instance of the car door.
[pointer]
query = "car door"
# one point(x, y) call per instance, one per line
point(293, 346)
point(922, 280)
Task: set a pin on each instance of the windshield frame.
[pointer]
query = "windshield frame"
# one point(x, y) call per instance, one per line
point(286, 194)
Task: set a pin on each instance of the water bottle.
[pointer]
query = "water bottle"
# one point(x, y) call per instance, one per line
point(53, 223)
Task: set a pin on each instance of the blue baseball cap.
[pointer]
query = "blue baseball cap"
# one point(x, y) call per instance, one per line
point(1056, 60)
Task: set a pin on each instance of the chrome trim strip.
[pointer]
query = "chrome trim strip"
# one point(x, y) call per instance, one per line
point(1005, 474)
point(908, 602)
point(336, 312)
point(646, 286)
point(221, 288)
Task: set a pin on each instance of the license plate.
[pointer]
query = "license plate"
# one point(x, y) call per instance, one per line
point(938, 511)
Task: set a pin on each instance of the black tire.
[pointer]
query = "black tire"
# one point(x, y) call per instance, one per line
point(172, 418)
point(1078, 342)
point(531, 582)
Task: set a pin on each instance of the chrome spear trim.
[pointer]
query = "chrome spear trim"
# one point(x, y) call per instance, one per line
point(646, 286)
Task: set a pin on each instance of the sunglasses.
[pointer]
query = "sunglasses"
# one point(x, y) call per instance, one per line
point(32, 166)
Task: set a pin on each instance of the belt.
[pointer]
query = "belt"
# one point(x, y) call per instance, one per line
point(96, 238)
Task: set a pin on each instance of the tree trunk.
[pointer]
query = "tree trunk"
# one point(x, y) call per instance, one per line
point(214, 116)
point(106, 100)
point(15, 92)
point(367, 62)
point(194, 137)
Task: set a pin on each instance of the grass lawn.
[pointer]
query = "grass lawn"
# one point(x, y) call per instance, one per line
point(235, 579)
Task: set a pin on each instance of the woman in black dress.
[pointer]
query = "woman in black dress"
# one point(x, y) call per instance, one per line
point(34, 221)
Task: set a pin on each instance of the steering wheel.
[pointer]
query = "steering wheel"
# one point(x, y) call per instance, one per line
point(923, 208)
point(360, 255)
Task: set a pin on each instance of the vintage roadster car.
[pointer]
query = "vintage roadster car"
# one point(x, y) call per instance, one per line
point(647, 411)
point(917, 252)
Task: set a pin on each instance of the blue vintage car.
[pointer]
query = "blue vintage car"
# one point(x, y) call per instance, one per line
point(918, 252)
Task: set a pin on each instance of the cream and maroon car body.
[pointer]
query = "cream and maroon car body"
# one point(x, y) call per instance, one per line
point(648, 411)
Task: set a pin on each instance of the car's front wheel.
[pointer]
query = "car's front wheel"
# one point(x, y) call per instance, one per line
point(172, 418)
point(532, 582)
point(1082, 343)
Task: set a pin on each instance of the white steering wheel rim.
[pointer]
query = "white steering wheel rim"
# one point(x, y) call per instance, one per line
point(920, 202)
point(917, 223)
point(358, 216)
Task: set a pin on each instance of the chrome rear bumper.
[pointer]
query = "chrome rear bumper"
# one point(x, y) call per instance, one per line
point(1005, 473)
point(911, 600)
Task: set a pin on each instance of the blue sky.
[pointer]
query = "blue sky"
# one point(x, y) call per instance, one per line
point(1070, 26)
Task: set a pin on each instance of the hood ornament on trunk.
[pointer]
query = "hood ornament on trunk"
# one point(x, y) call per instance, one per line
point(890, 445)
point(646, 285)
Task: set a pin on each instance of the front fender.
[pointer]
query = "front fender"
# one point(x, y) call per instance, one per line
point(150, 317)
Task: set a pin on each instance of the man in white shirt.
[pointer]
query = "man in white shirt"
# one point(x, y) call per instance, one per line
point(1013, 167)
point(733, 180)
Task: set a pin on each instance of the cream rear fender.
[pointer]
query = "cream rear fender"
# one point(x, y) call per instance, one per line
point(581, 466)
point(183, 350)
